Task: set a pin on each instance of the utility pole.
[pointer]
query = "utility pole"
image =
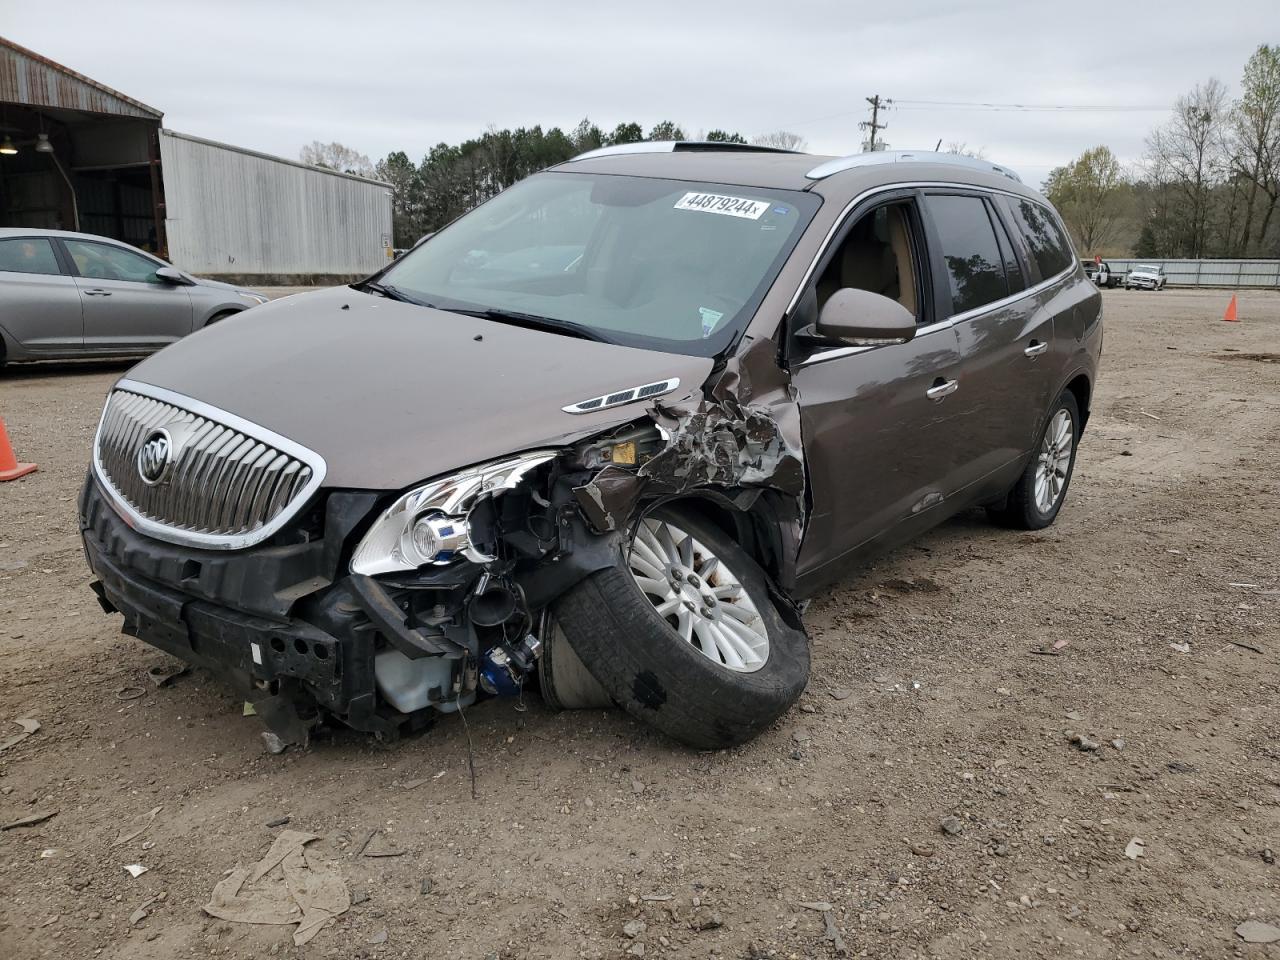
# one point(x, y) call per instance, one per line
point(874, 125)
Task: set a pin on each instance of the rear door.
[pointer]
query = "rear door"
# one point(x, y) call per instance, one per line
point(39, 302)
point(127, 308)
point(877, 420)
point(1004, 335)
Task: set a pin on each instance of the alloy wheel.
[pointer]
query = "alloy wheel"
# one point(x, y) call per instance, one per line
point(1054, 460)
point(698, 595)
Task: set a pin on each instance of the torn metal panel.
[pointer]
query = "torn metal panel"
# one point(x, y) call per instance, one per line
point(743, 432)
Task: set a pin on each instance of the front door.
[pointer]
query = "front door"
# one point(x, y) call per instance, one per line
point(39, 303)
point(127, 308)
point(877, 421)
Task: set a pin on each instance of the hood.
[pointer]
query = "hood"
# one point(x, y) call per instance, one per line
point(391, 393)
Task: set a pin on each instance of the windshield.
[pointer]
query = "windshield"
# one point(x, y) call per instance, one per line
point(663, 264)
point(1147, 268)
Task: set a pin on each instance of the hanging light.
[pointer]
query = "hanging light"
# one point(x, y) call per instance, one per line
point(7, 148)
point(42, 143)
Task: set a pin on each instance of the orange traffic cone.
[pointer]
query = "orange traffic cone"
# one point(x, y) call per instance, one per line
point(10, 468)
point(1230, 315)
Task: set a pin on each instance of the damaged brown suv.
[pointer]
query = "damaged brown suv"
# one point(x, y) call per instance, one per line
point(601, 435)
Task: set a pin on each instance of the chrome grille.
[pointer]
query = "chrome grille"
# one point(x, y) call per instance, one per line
point(229, 484)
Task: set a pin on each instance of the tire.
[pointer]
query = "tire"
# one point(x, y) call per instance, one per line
point(668, 681)
point(1024, 508)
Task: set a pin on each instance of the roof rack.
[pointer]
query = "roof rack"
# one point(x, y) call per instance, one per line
point(907, 156)
point(677, 146)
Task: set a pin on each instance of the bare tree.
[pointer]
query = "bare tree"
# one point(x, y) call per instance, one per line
point(962, 148)
point(1088, 192)
point(1255, 142)
point(1189, 155)
point(336, 156)
point(782, 139)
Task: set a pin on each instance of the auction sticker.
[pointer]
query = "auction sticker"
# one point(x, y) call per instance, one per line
point(728, 206)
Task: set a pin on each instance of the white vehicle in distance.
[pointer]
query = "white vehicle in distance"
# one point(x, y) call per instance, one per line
point(1145, 276)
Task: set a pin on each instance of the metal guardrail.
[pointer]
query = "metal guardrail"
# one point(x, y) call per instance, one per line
point(1210, 273)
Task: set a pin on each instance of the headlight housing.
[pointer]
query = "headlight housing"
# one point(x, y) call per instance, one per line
point(428, 525)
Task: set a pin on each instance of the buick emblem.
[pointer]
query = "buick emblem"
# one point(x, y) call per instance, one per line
point(155, 457)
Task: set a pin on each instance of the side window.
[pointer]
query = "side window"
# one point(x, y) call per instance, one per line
point(28, 255)
point(975, 267)
point(1049, 247)
point(1012, 265)
point(100, 261)
point(878, 254)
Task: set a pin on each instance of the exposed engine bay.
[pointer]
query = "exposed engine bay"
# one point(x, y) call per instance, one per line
point(398, 608)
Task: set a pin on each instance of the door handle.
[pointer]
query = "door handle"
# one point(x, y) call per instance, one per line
point(942, 389)
point(1035, 349)
point(97, 292)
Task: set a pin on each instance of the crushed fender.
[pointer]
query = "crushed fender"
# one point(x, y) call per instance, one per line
point(743, 433)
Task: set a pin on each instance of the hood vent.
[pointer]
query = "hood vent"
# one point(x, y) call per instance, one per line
point(630, 395)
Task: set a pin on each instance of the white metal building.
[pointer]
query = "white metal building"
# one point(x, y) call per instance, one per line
point(77, 155)
point(230, 211)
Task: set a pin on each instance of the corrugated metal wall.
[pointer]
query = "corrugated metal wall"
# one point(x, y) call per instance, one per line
point(1211, 273)
point(232, 211)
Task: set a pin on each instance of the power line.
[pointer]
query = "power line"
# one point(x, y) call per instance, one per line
point(967, 105)
point(1054, 107)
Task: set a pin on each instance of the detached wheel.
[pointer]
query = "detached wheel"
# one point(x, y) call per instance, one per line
point(1036, 498)
point(684, 635)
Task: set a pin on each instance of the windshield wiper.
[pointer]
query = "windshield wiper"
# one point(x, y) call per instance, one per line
point(535, 322)
point(390, 292)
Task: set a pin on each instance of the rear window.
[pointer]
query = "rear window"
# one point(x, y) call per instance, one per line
point(975, 266)
point(27, 255)
point(1048, 246)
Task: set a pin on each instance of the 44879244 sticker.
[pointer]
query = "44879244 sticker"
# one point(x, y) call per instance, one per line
point(726, 206)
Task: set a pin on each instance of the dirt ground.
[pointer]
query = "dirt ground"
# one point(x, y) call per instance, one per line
point(938, 701)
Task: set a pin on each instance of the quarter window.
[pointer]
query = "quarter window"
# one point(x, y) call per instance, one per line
point(1049, 247)
point(99, 261)
point(28, 255)
point(1012, 266)
point(975, 267)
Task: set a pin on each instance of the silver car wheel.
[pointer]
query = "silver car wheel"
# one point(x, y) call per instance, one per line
point(699, 596)
point(1054, 461)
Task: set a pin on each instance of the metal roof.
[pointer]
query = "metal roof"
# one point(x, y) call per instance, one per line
point(32, 80)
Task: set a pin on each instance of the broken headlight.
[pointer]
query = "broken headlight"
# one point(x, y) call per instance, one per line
point(429, 523)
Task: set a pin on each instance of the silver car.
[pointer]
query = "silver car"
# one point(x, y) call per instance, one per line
point(79, 295)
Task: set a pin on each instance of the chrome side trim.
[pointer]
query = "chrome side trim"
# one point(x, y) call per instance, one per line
point(191, 538)
point(617, 398)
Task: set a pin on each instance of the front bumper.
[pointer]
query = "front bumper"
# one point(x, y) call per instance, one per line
point(278, 620)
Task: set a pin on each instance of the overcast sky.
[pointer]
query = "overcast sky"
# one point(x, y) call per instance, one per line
point(390, 75)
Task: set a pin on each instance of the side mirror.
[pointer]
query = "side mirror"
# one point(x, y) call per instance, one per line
point(173, 275)
point(853, 315)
